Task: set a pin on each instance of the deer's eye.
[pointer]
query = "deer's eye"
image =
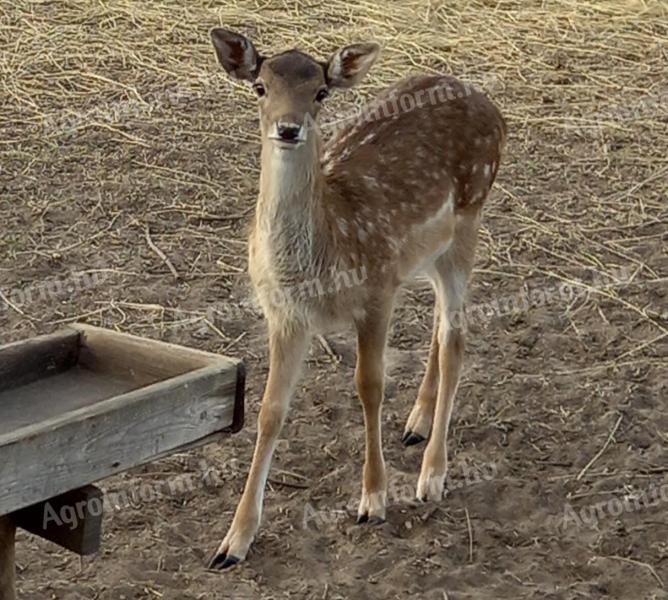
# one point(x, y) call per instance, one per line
point(321, 95)
point(259, 89)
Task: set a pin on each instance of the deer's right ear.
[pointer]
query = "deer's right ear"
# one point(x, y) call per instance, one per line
point(237, 54)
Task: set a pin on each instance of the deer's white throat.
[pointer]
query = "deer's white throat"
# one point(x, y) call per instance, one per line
point(288, 204)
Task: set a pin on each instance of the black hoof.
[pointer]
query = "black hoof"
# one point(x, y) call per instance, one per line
point(410, 438)
point(376, 520)
point(223, 561)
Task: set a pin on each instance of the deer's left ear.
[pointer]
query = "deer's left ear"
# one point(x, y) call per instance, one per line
point(348, 66)
point(237, 54)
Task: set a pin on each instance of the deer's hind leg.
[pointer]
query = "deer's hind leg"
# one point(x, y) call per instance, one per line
point(450, 275)
point(419, 421)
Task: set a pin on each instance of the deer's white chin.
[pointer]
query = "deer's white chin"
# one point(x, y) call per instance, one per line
point(283, 145)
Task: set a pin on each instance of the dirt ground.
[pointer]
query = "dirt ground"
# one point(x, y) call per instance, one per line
point(116, 122)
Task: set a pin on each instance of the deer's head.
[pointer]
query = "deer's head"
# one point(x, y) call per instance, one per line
point(291, 86)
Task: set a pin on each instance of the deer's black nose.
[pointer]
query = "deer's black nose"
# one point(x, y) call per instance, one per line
point(289, 132)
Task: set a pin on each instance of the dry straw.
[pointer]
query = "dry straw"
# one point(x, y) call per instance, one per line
point(117, 111)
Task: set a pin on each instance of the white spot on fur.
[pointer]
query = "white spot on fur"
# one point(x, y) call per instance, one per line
point(451, 199)
point(359, 314)
point(370, 181)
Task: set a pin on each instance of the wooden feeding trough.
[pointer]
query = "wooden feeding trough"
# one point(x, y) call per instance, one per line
point(85, 403)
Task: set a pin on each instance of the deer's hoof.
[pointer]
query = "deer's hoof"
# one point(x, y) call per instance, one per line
point(223, 561)
point(430, 486)
point(373, 520)
point(410, 438)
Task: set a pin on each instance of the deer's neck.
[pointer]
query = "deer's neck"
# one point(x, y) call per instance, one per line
point(289, 211)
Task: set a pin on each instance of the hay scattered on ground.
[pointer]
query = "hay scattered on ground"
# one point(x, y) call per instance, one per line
point(126, 154)
point(127, 99)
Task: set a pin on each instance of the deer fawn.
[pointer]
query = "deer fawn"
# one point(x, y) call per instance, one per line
point(398, 191)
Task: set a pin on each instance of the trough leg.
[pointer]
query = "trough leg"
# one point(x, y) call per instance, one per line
point(7, 567)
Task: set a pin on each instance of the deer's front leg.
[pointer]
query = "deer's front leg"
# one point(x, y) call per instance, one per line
point(287, 348)
point(7, 569)
point(369, 377)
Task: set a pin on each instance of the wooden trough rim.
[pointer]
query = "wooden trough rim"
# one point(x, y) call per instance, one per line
point(203, 357)
point(199, 392)
point(203, 363)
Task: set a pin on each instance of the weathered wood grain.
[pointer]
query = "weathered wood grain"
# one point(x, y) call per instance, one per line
point(85, 403)
point(56, 395)
point(143, 360)
point(27, 361)
point(67, 451)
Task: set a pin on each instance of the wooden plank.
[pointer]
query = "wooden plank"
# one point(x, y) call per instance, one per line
point(143, 360)
point(7, 565)
point(68, 451)
point(72, 520)
point(27, 361)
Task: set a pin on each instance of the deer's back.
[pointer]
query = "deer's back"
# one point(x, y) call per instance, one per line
point(421, 138)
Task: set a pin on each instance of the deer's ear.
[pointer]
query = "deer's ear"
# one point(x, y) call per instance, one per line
point(348, 66)
point(237, 54)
